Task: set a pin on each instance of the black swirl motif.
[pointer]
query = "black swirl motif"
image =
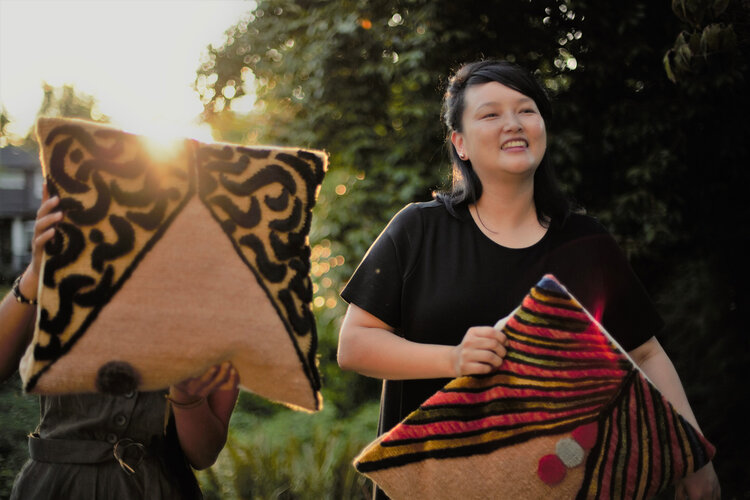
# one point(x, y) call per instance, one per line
point(98, 211)
point(130, 169)
point(275, 273)
point(206, 184)
point(70, 295)
point(285, 250)
point(110, 251)
point(301, 284)
point(153, 218)
point(57, 168)
point(56, 325)
point(63, 250)
point(100, 294)
point(139, 198)
point(271, 174)
point(313, 177)
point(206, 154)
point(278, 203)
point(291, 222)
point(247, 220)
point(79, 133)
point(255, 153)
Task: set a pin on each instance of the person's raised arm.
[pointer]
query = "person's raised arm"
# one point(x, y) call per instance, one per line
point(369, 346)
point(16, 313)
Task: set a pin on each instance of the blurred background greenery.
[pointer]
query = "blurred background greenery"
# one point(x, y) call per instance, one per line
point(650, 134)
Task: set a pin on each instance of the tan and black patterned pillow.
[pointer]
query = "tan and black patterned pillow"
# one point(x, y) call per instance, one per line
point(168, 262)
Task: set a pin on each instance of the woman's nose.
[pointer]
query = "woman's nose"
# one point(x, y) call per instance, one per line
point(511, 123)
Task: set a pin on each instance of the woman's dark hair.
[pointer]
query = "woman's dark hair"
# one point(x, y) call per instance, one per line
point(552, 206)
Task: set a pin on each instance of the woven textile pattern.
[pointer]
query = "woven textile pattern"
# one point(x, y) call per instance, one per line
point(563, 374)
point(176, 260)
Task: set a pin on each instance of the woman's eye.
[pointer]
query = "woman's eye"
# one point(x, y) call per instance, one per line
point(490, 115)
point(528, 110)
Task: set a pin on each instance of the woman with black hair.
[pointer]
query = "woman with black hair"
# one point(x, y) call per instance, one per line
point(441, 270)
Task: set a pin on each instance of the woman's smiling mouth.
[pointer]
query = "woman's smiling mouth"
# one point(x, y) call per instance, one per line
point(514, 143)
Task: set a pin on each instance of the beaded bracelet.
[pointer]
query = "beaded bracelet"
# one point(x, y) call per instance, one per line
point(20, 297)
point(185, 406)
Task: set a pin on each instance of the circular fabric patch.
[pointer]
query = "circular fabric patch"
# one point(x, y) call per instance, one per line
point(551, 470)
point(585, 435)
point(569, 452)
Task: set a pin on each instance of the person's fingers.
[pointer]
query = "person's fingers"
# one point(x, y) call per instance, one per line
point(231, 381)
point(43, 238)
point(44, 222)
point(501, 351)
point(486, 343)
point(502, 338)
point(487, 357)
point(47, 206)
point(476, 368)
point(481, 331)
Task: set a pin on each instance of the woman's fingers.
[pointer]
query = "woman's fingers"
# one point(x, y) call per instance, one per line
point(487, 344)
point(47, 206)
point(482, 350)
point(218, 377)
point(43, 238)
point(43, 223)
point(487, 357)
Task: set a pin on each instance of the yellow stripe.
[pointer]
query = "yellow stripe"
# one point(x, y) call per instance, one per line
point(447, 444)
point(516, 380)
point(550, 299)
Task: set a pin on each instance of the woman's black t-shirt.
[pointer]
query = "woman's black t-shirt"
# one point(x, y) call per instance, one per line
point(431, 276)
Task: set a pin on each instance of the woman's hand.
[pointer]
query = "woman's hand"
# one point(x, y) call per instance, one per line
point(202, 409)
point(700, 485)
point(223, 377)
point(44, 230)
point(16, 318)
point(482, 350)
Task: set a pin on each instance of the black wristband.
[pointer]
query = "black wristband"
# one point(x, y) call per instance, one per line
point(20, 296)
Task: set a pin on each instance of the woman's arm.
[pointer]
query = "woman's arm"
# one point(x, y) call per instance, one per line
point(651, 358)
point(369, 346)
point(202, 408)
point(16, 318)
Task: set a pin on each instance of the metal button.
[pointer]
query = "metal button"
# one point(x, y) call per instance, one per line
point(112, 438)
point(120, 420)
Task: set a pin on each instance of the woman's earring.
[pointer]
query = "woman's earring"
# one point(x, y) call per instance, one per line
point(462, 156)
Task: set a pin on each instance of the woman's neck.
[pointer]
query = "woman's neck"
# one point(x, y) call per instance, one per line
point(507, 215)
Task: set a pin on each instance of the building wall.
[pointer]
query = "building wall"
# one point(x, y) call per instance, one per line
point(20, 196)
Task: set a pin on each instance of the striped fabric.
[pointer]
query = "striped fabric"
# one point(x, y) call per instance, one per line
point(562, 372)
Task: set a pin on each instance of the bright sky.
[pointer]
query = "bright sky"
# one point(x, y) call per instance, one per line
point(136, 57)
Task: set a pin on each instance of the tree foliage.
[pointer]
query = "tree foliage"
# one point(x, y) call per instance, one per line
point(663, 163)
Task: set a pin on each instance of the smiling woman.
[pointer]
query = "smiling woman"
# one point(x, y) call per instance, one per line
point(505, 132)
point(423, 298)
point(140, 68)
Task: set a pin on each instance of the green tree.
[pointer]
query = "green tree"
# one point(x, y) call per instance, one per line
point(649, 136)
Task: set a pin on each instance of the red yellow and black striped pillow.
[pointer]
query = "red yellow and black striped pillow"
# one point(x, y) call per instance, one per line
point(568, 415)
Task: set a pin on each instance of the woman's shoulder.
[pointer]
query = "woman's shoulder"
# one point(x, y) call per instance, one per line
point(580, 224)
point(415, 215)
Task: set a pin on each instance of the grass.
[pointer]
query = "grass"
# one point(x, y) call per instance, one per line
point(292, 455)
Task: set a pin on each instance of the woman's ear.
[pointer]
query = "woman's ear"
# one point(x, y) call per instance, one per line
point(457, 139)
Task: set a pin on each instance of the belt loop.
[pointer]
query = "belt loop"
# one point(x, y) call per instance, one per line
point(121, 447)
